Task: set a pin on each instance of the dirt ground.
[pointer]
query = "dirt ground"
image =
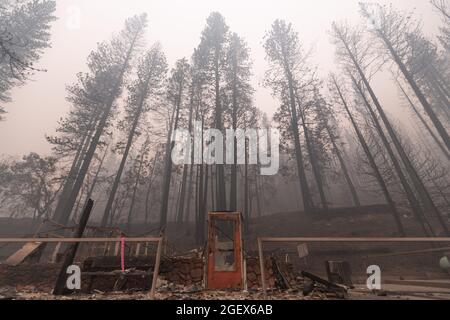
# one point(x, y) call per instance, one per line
point(395, 293)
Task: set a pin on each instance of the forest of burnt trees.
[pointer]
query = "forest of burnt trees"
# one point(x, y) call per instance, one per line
point(340, 146)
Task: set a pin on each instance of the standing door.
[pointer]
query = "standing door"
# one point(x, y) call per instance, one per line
point(224, 252)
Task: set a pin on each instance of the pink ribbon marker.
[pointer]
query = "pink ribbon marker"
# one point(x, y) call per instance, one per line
point(122, 253)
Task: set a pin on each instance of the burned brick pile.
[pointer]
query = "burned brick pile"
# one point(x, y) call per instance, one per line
point(40, 277)
point(278, 275)
point(103, 274)
point(180, 271)
point(185, 271)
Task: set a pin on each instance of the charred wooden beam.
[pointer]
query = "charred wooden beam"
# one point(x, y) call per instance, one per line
point(60, 286)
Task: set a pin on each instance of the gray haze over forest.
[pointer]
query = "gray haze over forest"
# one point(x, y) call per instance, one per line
point(176, 24)
point(92, 94)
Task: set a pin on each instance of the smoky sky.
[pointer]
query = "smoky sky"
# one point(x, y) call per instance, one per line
point(177, 25)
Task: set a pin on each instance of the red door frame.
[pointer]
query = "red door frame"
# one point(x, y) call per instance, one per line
point(219, 280)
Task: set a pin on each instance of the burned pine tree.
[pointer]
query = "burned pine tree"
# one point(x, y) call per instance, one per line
point(108, 67)
point(239, 98)
point(75, 132)
point(215, 38)
point(24, 34)
point(195, 88)
point(150, 76)
point(391, 27)
point(356, 56)
point(138, 168)
point(192, 172)
point(287, 62)
point(176, 96)
point(414, 203)
point(308, 105)
point(154, 170)
point(387, 194)
point(324, 113)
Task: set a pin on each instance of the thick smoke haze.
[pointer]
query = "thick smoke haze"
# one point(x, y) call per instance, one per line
point(177, 25)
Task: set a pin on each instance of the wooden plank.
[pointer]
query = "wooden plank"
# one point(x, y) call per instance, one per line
point(19, 256)
point(55, 252)
point(138, 249)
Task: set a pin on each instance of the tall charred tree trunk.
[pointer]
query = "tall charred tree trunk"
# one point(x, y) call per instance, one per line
point(119, 206)
point(308, 204)
point(181, 207)
point(214, 188)
point(205, 200)
point(246, 191)
point(417, 182)
point(348, 179)
point(73, 172)
point(133, 197)
point(221, 195)
point(200, 205)
point(258, 199)
point(149, 188)
point(197, 203)
point(312, 156)
point(189, 193)
point(168, 164)
point(233, 181)
point(373, 164)
point(414, 203)
point(131, 136)
point(200, 197)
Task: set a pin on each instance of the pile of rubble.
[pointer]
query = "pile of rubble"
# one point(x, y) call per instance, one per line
point(39, 277)
point(278, 275)
point(180, 277)
point(184, 271)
